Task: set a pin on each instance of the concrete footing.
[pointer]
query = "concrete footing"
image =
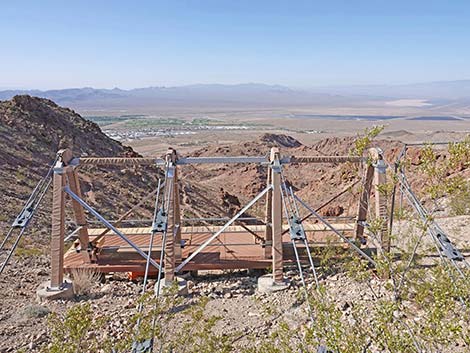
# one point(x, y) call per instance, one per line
point(180, 282)
point(45, 292)
point(266, 284)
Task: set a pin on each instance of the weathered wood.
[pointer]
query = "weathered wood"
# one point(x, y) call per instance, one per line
point(79, 215)
point(58, 231)
point(363, 206)
point(170, 259)
point(381, 212)
point(177, 217)
point(277, 258)
point(236, 250)
point(268, 219)
point(216, 160)
point(323, 159)
point(260, 229)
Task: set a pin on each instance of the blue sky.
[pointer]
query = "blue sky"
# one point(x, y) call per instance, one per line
point(56, 44)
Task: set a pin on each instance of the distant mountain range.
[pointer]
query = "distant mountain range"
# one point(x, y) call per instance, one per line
point(248, 95)
point(202, 95)
point(452, 90)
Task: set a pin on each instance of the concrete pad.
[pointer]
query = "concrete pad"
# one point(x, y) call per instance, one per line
point(181, 283)
point(44, 292)
point(266, 284)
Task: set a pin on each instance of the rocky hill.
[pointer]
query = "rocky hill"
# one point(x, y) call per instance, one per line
point(31, 131)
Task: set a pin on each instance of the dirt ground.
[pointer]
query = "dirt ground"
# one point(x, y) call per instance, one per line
point(233, 297)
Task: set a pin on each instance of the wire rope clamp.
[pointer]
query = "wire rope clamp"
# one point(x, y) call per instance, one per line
point(448, 248)
point(63, 160)
point(380, 166)
point(376, 155)
point(296, 230)
point(160, 223)
point(274, 160)
point(142, 347)
point(24, 217)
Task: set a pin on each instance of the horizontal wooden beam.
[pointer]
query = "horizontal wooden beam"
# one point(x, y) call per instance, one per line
point(105, 161)
point(116, 161)
point(231, 229)
point(322, 159)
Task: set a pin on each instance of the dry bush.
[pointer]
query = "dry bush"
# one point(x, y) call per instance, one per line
point(83, 280)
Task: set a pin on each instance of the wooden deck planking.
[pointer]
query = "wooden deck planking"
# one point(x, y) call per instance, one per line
point(234, 249)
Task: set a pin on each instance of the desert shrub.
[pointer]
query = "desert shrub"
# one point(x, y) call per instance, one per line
point(83, 280)
point(35, 311)
point(363, 142)
point(197, 334)
point(70, 333)
point(439, 183)
point(459, 199)
point(80, 330)
point(26, 252)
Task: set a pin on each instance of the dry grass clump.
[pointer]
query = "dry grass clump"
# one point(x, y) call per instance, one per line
point(83, 280)
point(35, 311)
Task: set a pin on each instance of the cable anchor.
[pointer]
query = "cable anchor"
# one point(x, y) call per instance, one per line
point(160, 223)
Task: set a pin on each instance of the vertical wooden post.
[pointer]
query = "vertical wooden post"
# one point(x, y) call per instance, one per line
point(170, 237)
point(177, 217)
point(276, 216)
point(380, 179)
point(363, 206)
point(79, 215)
point(58, 220)
point(268, 236)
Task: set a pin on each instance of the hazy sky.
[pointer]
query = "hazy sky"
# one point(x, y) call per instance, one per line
point(56, 44)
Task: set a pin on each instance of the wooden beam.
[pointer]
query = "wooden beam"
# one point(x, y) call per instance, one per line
point(363, 206)
point(323, 159)
point(58, 231)
point(268, 236)
point(177, 217)
point(187, 232)
point(276, 217)
point(170, 260)
point(111, 161)
point(380, 180)
point(216, 160)
point(79, 215)
point(58, 218)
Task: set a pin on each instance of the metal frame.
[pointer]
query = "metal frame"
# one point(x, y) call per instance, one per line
point(224, 227)
point(65, 181)
point(109, 225)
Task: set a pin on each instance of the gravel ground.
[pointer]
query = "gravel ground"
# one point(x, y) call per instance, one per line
point(233, 297)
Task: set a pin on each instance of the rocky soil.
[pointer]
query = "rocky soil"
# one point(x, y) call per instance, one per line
point(245, 314)
point(31, 131)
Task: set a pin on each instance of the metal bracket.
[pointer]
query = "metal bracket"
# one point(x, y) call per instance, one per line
point(78, 247)
point(170, 170)
point(380, 166)
point(160, 223)
point(142, 347)
point(275, 165)
point(75, 162)
point(363, 223)
point(24, 217)
point(296, 230)
point(56, 289)
point(448, 248)
point(110, 226)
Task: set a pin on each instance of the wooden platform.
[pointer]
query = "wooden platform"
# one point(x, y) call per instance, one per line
point(234, 249)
